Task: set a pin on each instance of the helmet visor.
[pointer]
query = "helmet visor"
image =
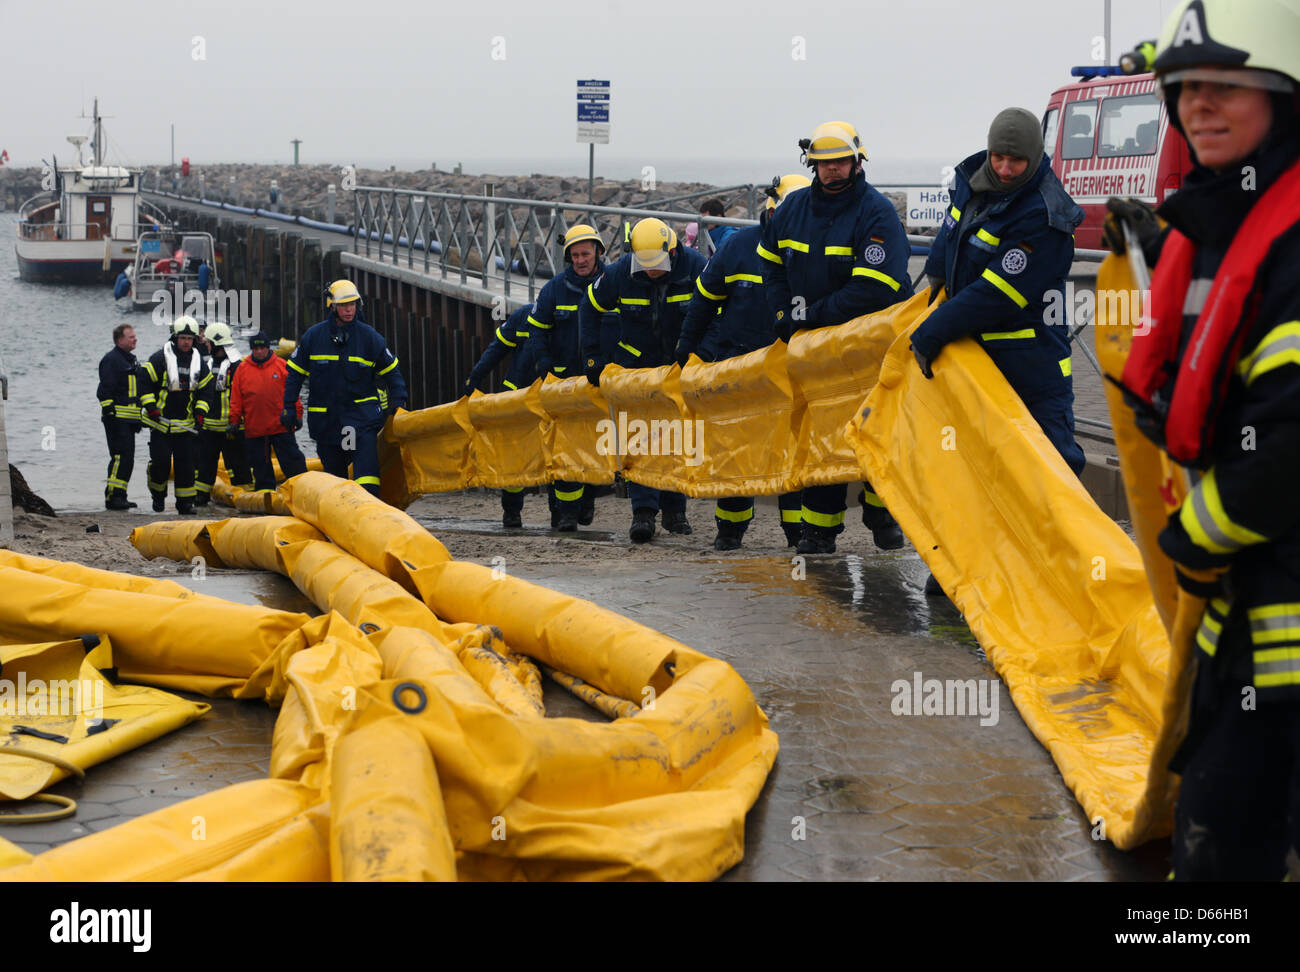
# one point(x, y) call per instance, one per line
point(650, 259)
point(1238, 77)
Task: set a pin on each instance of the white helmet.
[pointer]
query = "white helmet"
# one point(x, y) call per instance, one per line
point(1254, 43)
point(185, 325)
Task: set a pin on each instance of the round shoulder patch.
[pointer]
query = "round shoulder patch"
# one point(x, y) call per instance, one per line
point(874, 254)
point(1014, 260)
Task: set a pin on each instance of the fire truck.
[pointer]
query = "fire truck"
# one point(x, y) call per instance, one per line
point(1108, 134)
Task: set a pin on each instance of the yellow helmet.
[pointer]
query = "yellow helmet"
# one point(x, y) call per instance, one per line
point(341, 292)
point(832, 140)
point(651, 243)
point(582, 232)
point(185, 325)
point(782, 186)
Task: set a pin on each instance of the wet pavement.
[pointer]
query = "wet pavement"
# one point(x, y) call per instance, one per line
point(830, 647)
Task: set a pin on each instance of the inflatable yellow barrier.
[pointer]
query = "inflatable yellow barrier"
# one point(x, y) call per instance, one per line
point(745, 410)
point(661, 793)
point(11, 855)
point(57, 708)
point(1052, 588)
point(509, 440)
point(189, 643)
point(690, 430)
point(1154, 486)
point(574, 413)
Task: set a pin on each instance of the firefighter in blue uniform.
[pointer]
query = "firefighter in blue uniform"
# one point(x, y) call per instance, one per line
point(732, 319)
point(648, 290)
point(511, 339)
point(1004, 249)
point(557, 344)
point(119, 404)
point(833, 253)
point(1225, 283)
point(172, 383)
point(343, 359)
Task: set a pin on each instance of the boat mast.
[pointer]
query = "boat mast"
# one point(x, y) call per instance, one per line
point(99, 136)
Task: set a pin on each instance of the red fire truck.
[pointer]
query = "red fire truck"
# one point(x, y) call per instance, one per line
point(1108, 134)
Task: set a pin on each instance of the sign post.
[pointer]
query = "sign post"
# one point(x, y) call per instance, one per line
point(593, 124)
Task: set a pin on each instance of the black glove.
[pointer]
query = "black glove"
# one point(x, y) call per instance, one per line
point(290, 420)
point(393, 407)
point(924, 362)
point(683, 354)
point(1139, 217)
point(782, 325)
point(594, 368)
point(1202, 583)
point(472, 384)
point(936, 284)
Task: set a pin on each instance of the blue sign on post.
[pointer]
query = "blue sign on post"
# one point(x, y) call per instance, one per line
point(593, 111)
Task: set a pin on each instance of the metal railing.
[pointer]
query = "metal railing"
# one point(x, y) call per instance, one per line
point(505, 241)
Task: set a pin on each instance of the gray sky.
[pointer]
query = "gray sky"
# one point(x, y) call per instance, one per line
point(404, 82)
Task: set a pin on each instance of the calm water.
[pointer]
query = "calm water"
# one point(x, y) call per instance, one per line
point(51, 339)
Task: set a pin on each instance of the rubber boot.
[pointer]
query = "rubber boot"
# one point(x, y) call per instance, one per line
point(566, 522)
point(933, 588)
point(677, 523)
point(793, 532)
point(511, 520)
point(729, 535)
point(185, 507)
point(201, 499)
point(885, 530)
point(118, 501)
point(816, 540)
point(159, 503)
point(643, 525)
point(588, 511)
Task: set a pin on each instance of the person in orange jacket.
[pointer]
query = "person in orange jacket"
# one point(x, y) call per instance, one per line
point(256, 401)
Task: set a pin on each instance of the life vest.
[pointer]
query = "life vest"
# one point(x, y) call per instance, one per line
point(219, 372)
point(174, 381)
point(1184, 422)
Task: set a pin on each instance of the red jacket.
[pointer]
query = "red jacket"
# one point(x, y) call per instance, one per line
point(257, 396)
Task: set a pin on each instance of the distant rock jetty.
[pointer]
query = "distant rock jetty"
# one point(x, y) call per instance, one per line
point(303, 189)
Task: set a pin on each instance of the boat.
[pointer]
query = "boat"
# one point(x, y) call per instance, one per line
point(83, 228)
point(169, 265)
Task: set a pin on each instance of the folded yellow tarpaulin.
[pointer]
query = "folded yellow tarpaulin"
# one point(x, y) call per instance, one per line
point(55, 700)
point(1052, 588)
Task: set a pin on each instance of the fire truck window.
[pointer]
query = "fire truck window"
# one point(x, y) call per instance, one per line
point(1080, 127)
point(1129, 126)
point(1051, 124)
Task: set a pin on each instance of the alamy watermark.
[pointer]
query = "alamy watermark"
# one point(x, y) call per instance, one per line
point(947, 697)
point(236, 307)
point(67, 698)
point(656, 437)
point(1114, 307)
